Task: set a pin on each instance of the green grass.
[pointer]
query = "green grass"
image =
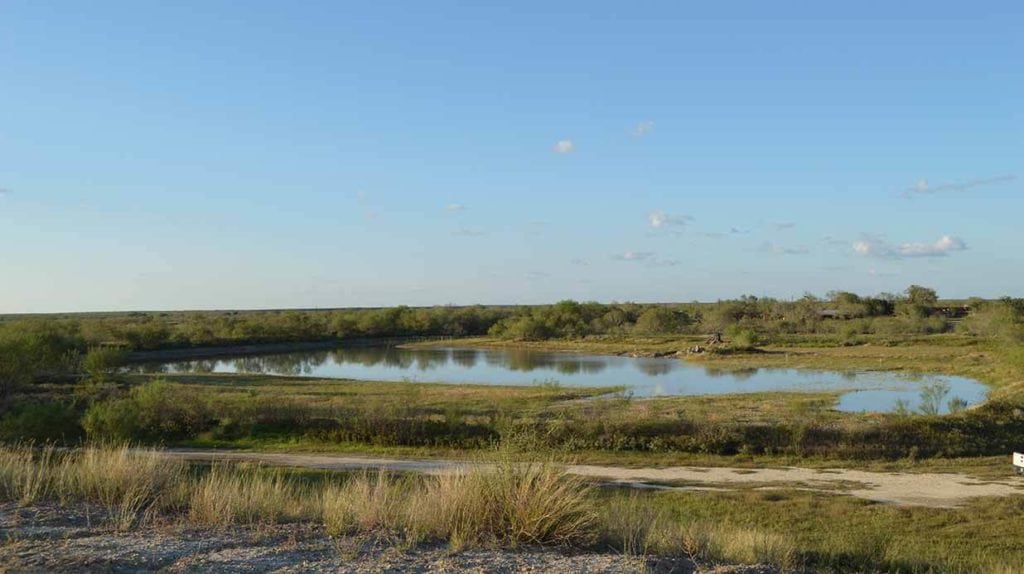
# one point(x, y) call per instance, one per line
point(852, 535)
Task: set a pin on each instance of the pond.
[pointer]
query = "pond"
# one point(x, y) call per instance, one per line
point(645, 377)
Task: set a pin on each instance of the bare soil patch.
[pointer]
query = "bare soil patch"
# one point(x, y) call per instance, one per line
point(939, 490)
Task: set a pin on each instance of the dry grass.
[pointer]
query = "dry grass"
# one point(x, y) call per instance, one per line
point(369, 503)
point(24, 477)
point(239, 495)
point(130, 485)
point(508, 502)
point(503, 502)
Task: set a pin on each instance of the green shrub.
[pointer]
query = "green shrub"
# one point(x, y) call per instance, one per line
point(743, 339)
point(103, 363)
point(152, 412)
point(41, 422)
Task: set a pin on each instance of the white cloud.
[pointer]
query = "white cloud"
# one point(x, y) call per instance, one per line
point(868, 247)
point(784, 225)
point(873, 246)
point(647, 258)
point(660, 219)
point(5, 191)
point(876, 273)
point(642, 129)
point(633, 256)
point(772, 247)
point(469, 232)
point(565, 147)
point(946, 244)
point(923, 187)
point(455, 207)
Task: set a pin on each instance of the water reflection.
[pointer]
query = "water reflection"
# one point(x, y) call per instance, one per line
point(865, 391)
point(654, 368)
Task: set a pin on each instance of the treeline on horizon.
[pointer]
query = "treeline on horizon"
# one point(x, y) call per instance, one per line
point(918, 310)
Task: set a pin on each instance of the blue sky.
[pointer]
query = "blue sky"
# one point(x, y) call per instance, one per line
point(320, 154)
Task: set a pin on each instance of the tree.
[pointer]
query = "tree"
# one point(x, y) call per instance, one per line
point(918, 302)
point(102, 363)
point(918, 295)
point(17, 367)
point(660, 320)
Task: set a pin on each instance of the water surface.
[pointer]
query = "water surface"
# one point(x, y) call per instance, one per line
point(644, 377)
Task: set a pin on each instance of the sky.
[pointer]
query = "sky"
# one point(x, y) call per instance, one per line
point(207, 154)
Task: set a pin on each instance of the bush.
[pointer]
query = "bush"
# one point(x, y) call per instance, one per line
point(743, 339)
point(42, 422)
point(103, 363)
point(155, 411)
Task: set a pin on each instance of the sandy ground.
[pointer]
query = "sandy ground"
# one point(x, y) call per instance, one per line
point(50, 538)
point(941, 490)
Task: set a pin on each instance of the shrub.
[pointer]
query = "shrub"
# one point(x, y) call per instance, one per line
point(103, 363)
point(743, 339)
point(42, 422)
point(151, 412)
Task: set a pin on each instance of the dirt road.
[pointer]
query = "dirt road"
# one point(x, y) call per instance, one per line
point(939, 490)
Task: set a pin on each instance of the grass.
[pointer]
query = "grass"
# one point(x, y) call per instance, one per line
point(853, 535)
point(129, 485)
point(507, 503)
point(263, 412)
point(294, 413)
point(511, 502)
point(504, 502)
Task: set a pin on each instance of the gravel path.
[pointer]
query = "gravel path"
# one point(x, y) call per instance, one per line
point(55, 539)
point(940, 490)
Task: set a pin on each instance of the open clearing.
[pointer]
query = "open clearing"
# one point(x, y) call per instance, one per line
point(936, 490)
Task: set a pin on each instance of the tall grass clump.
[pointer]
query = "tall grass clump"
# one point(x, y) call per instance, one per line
point(636, 527)
point(131, 484)
point(508, 502)
point(370, 503)
point(236, 495)
point(25, 476)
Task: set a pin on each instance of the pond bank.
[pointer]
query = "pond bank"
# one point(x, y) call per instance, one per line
point(199, 353)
